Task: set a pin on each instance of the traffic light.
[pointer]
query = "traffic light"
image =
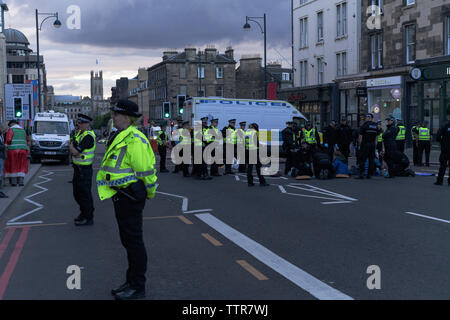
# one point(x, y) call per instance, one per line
point(166, 110)
point(180, 104)
point(18, 111)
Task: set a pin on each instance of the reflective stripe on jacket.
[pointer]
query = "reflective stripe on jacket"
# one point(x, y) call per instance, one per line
point(19, 140)
point(128, 159)
point(401, 133)
point(424, 134)
point(86, 158)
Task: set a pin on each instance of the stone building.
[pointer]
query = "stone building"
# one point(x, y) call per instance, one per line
point(250, 77)
point(405, 48)
point(190, 73)
point(99, 105)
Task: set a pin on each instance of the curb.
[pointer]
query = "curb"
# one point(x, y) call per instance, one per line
point(18, 191)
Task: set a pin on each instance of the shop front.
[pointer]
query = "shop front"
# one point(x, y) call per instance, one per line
point(384, 98)
point(319, 105)
point(433, 91)
point(353, 102)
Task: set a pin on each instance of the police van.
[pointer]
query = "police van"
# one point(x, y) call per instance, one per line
point(51, 137)
point(271, 116)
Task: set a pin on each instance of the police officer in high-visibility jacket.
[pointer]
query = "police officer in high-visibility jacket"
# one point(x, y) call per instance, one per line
point(240, 141)
point(252, 155)
point(230, 142)
point(424, 143)
point(401, 136)
point(82, 149)
point(163, 143)
point(311, 136)
point(127, 175)
point(415, 140)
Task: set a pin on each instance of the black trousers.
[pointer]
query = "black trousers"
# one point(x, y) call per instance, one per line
point(82, 190)
point(289, 161)
point(415, 153)
point(400, 145)
point(367, 152)
point(380, 149)
point(444, 159)
point(424, 146)
point(227, 165)
point(183, 166)
point(390, 163)
point(162, 150)
point(129, 220)
point(258, 166)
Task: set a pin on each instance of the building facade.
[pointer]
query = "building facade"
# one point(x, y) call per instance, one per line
point(325, 48)
point(190, 73)
point(99, 105)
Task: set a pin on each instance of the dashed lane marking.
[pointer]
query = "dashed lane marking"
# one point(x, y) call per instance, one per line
point(211, 239)
point(302, 279)
point(427, 217)
point(258, 275)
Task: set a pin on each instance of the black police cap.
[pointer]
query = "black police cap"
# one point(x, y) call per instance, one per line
point(84, 118)
point(127, 107)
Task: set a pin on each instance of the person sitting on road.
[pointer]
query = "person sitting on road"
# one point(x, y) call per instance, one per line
point(401, 165)
point(323, 168)
point(302, 162)
point(340, 165)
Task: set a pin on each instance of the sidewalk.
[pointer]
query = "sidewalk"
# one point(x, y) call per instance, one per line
point(14, 192)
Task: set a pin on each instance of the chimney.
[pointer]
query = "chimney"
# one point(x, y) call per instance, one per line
point(169, 54)
point(230, 53)
point(211, 53)
point(190, 53)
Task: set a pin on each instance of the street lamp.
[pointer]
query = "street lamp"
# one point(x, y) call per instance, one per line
point(247, 27)
point(57, 24)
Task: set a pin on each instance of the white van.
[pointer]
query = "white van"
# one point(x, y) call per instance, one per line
point(50, 137)
point(268, 114)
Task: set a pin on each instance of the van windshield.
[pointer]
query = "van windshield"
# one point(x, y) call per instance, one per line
point(51, 127)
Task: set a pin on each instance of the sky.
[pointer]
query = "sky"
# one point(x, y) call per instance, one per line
point(125, 35)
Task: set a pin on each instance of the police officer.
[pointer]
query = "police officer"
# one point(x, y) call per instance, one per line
point(163, 143)
point(82, 149)
point(240, 141)
point(415, 140)
point(186, 141)
point(368, 137)
point(401, 136)
point(443, 136)
point(174, 143)
point(213, 133)
point(390, 145)
point(252, 154)
point(229, 136)
point(311, 136)
point(127, 175)
point(424, 143)
point(289, 140)
point(380, 141)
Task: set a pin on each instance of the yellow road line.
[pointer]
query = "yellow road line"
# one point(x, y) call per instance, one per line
point(185, 220)
point(258, 275)
point(212, 240)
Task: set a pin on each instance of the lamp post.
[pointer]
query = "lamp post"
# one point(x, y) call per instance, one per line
point(247, 27)
point(56, 24)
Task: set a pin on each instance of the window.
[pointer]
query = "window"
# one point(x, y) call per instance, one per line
point(410, 2)
point(410, 35)
point(219, 72)
point(219, 90)
point(320, 71)
point(376, 51)
point(303, 1)
point(341, 19)
point(320, 26)
point(303, 33)
point(447, 36)
point(376, 4)
point(303, 73)
point(183, 72)
point(286, 76)
point(201, 72)
point(341, 63)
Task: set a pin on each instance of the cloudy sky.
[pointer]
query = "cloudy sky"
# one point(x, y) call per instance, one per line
point(124, 35)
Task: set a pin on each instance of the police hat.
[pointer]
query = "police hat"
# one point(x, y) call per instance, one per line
point(369, 115)
point(232, 120)
point(82, 118)
point(289, 122)
point(242, 123)
point(390, 119)
point(14, 121)
point(127, 107)
point(204, 119)
point(215, 120)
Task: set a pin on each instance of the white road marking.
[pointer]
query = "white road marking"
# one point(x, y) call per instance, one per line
point(38, 205)
point(307, 282)
point(282, 189)
point(237, 178)
point(427, 217)
point(198, 211)
point(184, 206)
point(309, 188)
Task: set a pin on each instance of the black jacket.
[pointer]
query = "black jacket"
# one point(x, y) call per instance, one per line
point(288, 138)
point(344, 135)
point(2, 148)
point(443, 137)
point(389, 136)
point(330, 136)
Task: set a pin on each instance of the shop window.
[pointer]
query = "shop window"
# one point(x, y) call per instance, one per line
point(431, 90)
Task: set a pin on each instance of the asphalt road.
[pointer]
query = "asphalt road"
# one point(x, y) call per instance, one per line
point(222, 240)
